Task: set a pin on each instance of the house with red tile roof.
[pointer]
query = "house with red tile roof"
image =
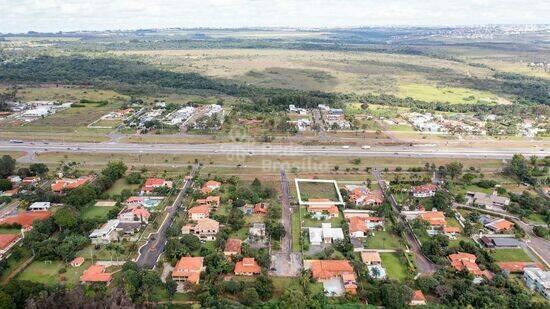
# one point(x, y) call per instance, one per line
point(134, 214)
point(500, 226)
point(260, 209)
point(247, 267)
point(371, 257)
point(331, 272)
point(517, 267)
point(460, 261)
point(77, 262)
point(362, 196)
point(232, 247)
point(198, 212)
point(424, 190)
point(210, 186)
point(188, 269)
point(26, 218)
point(357, 227)
point(61, 185)
point(326, 211)
point(7, 241)
point(96, 273)
point(205, 229)
point(418, 298)
point(212, 201)
point(436, 219)
point(152, 183)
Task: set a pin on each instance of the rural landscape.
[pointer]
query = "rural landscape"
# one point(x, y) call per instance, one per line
point(276, 167)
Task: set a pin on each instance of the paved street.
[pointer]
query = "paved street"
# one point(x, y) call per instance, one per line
point(424, 265)
point(153, 248)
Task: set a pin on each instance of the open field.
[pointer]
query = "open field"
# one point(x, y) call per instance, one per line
point(50, 273)
point(13, 154)
point(318, 190)
point(95, 212)
point(121, 185)
point(383, 240)
point(446, 94)
point(510, 255)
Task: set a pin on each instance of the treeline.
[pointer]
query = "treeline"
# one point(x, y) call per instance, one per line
point(391, 100)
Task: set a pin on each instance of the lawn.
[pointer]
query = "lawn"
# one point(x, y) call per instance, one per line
point(95, 212)
point(510, 255)
point(48, 273)
point(384, 240)
point(318, 190)
point(280, 284)
point(120, 185)
point(396, 269)
point(311, 222)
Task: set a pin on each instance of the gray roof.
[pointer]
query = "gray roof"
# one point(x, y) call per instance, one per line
point(505, 242)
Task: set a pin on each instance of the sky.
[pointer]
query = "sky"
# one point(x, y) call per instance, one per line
point(69, 15)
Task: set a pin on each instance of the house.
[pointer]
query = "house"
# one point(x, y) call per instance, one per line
point(298, 110)
point(371, 257)
point(26, 218)
point(362, 196)
point(210, 186)
point(60, 185)
point(517, 267)
point(96, 273)
point(499, 242)
point(460, 261)
point(326, 234)
point(147, 202)
point(199, 212)
point(134, 214)
point(337, 276)
point(106, 233)
point(10, 193)
point(15, 180)
point(489, 201)
point(211, 201)
point(39, 206)
point(257, 230)
point(152, 183)
point(424, 190)
point(247, 267)
point(30, 181)
point(232, 247)
point(77, 262)
point(357, 227)
point(206, 229)
point(319, 211)
point(451, 231)
point(435, 218)
point(537, 280)
point(7, 241)
point(188, 269)
point(500, 226)
point(260, 209)
point(417, 299)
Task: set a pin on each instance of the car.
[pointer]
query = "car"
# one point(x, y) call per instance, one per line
point(345, 147)
point(365, 147)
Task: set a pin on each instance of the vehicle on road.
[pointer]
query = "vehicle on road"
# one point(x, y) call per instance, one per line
point(16, 141)
point(365, 147)
point(345, 147)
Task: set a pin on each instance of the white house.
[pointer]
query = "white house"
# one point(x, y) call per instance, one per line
point(40, 206)
point(537, 280)
point(325, 234)
point(106, 233)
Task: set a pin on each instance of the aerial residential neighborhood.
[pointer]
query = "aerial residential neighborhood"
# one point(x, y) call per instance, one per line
point(274, 154)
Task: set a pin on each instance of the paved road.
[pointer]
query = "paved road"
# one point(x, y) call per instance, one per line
point(424, 265)
point(537, 244)
point(153, 248)
point(274, 150)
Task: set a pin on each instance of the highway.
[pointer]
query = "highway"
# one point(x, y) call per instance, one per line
point(271, 150)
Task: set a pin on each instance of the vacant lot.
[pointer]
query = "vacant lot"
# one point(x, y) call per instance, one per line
point(95, 212)
point(50, 273)
point(318, 190)
point(121, 185)
point(384, 240)
point(396, 268)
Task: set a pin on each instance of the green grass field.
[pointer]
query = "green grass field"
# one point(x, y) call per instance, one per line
point(120, 185)
point(49, 273)
point(94, 212)
point(384, 240)
point(318, 190)
point(511, 255)
point(445, 94)
point(296, 230)
point(396, 269)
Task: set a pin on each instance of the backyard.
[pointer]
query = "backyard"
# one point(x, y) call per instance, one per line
point(396, 269)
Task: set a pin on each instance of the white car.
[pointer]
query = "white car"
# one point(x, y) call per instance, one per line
point(345, 147)
point(365, 147)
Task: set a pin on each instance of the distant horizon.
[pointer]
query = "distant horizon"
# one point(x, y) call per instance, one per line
point(267, 28)
point(51, 16)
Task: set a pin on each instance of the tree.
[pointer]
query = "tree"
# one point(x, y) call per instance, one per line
point(134, 178)
point(65, 218)
point(39, 168)
point(114, 170)
point(191, 242)
point(454, 169)
point(5, 185)
point(6, 302)
point(395, 295)
point(264, 286)
point(81, 196)
point(250, 297)
point(171, 288)
point(7, 166)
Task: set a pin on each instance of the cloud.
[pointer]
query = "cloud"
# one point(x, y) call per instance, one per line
point(66, 15)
